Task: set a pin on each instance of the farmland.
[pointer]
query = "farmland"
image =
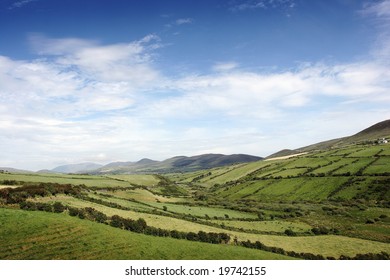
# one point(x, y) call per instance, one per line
point(323, 204)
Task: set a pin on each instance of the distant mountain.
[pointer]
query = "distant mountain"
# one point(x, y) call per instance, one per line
point(146, 161)
point(13, 170)
point(176, 164)
point(370, 134)
point(77, 168)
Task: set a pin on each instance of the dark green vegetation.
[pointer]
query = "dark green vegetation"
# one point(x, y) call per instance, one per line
point(328, 203)
point(175, 164)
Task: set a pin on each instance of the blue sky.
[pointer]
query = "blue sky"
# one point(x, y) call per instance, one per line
point(121, 80)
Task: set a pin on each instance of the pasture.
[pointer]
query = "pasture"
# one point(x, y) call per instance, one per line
point(327, 203)
point(41, 236)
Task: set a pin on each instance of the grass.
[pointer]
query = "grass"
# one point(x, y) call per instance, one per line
point(326, 245)
point(286, 189)
point(202, 211)
point(144, 196)
point(337, 164)
point(338, 189)
point(139, 179)
point(88, 180)
point(334, 245)
point(367, 152)
point(267, 226)
point(154, 220)
point(354, 167)
point(38, 235)
point(380, 166)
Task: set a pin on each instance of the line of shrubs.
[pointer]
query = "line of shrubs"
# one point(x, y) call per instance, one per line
point(29, 190)
point(309, 256)
point(138, 226)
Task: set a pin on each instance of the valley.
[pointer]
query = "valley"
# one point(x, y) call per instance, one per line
point(328, 203)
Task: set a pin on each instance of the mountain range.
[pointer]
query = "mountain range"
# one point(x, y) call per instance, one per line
point(206, 161)
point(175, 164)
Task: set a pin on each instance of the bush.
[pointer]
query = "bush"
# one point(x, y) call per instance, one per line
point(58, 207)
point(290, 232)
point(73, 211)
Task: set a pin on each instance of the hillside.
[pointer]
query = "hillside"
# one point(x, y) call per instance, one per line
point(370, 134)
point(176, 164)
point(76, 168)
point(37, 235)
point(374, 132)
point(283, 153)
point(349, 173)
point(13, 170)
point(339, 197)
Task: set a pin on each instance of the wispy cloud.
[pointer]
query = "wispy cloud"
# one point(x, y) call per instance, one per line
point(181, 21)
point(224, 66)
point(20, 4)
point(380, 9)
point(380, 13)
point(243, 5)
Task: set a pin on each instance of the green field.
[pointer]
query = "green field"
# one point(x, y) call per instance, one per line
point(36, 235)
point(88, 180)
point(328, 203)
point(138, 179)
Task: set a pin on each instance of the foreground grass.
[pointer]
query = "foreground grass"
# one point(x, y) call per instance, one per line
point(40, 235)
point(328, 246)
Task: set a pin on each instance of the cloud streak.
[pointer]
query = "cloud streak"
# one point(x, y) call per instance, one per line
point(20, 4)
point(240, 6)
point(181, 21)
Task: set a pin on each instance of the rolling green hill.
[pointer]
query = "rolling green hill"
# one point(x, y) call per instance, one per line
point(368, 135)
point(37, 235)
point(176, 164)
point(325, 203)
point(349, 173)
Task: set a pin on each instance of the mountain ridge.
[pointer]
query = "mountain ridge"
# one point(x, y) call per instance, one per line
point(76, 168)
point(178, 164)
point(371, 134)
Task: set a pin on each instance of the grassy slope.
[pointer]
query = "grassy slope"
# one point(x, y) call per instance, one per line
point(331, 245)
point(318, 176)
point(38, 235)
point(88, 180)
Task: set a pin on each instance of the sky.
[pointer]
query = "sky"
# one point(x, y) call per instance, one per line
point(121, 80)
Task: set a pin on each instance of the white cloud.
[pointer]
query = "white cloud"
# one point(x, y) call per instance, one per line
point(20, 4)
point(224, 66)
point(181, 21)
point(261, 4)
point(83, 100)
point(379, 9)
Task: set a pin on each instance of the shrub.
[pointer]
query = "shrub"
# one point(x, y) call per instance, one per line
point(58, 207)
point(290, 232)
